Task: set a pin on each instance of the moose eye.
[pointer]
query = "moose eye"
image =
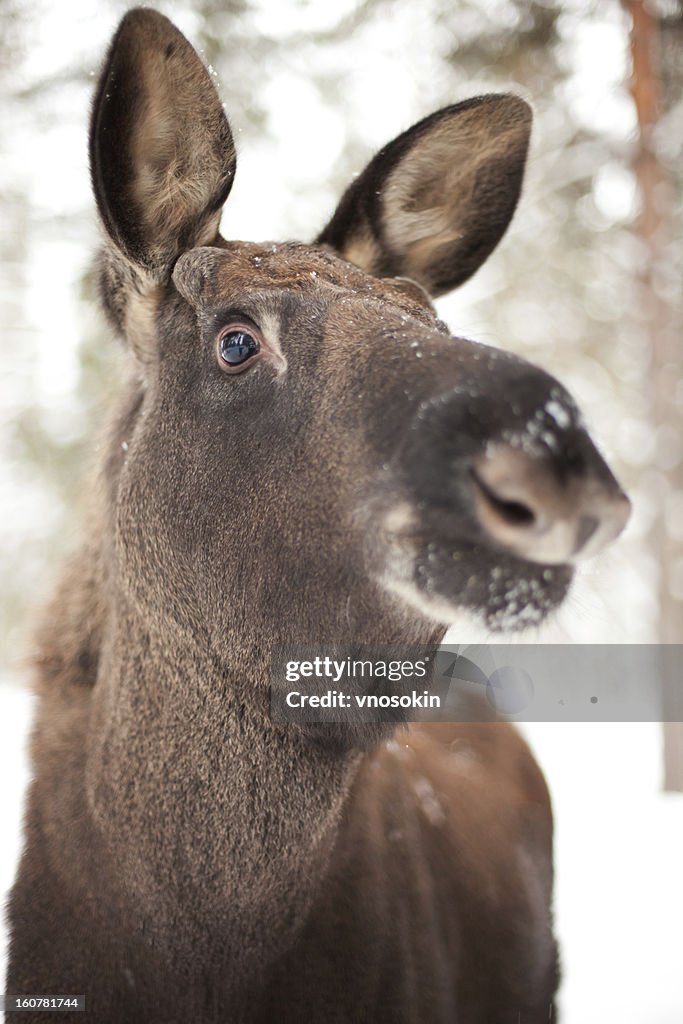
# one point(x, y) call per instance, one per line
point(236, 347)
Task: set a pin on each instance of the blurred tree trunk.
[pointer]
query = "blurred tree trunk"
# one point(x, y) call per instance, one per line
point(655, 228)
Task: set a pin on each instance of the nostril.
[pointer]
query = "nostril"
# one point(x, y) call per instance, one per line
point(586, 528)
point(518, 504)
point(513, 513)
point(523, 506)
point(605, 517)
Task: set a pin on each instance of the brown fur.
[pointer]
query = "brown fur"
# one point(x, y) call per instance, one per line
point(186, 858)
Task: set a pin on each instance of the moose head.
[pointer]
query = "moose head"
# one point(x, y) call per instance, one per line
point(307, 450)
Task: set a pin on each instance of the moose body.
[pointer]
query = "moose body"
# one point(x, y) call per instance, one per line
point(302, 452)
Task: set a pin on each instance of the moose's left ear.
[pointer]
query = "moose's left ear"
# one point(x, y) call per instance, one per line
point(437, 200)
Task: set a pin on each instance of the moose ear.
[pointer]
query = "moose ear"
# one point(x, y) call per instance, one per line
point(437, 200)
point(162, 157)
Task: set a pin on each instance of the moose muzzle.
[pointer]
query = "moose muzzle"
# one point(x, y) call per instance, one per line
point(507, 464)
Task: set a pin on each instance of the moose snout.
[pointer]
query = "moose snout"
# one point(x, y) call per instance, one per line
point(507, 465)
point(543, 509)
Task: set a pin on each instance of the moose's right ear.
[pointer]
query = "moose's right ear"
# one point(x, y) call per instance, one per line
point(162, 157)
point(436, 201)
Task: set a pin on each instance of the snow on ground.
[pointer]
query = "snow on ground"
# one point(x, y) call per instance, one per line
point(619, 855)
point(619, 872)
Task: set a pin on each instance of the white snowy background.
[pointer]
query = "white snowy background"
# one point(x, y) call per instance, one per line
point(619, 842)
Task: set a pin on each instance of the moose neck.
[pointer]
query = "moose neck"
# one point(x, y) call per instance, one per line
point(206, 805)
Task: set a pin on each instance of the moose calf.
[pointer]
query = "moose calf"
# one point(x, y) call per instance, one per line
point(303, 452)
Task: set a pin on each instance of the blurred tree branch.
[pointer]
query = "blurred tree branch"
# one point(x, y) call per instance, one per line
point(654, 226)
